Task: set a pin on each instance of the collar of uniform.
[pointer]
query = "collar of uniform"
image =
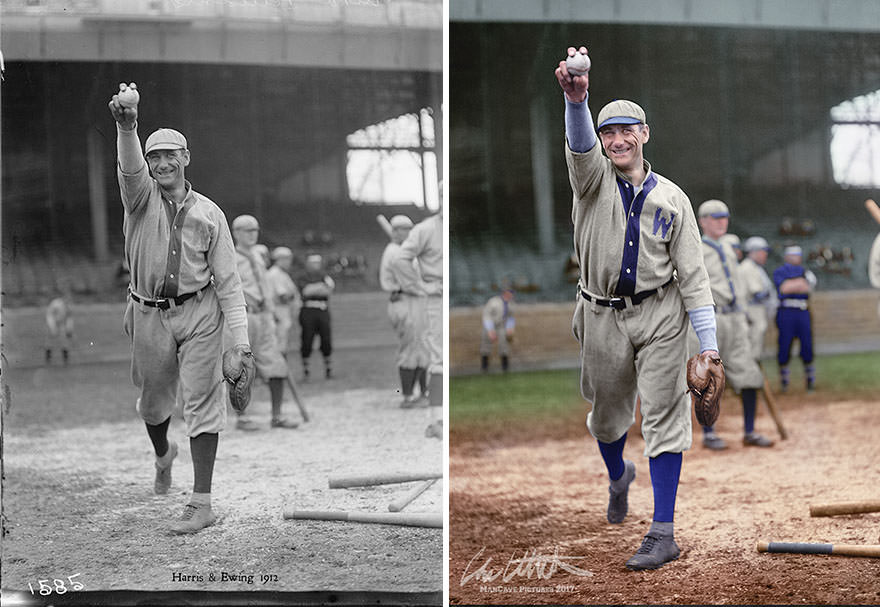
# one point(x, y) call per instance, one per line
point(626, 178)
point(188, 197)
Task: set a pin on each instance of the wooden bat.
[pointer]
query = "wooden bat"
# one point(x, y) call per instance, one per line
point(296, 398)
point(845, 508)
point(869, 550)
point(774, 412)
point(423, 519)
point(401, 503)
point(385, 224)
point(368, 480)
point(873, 209)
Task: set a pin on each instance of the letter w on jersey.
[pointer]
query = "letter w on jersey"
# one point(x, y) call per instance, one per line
point(661, 222)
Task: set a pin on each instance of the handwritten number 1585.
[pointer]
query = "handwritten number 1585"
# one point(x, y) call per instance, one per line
point(57, 586)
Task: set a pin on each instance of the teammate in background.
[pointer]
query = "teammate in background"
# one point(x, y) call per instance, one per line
point(425, 245)
point(286, 296)
point(59, 327)
point(406, 311)
point(184, 285)
point(258, 295)
point(632, 230)
point(874, 252)
point(735, 244)
point(498, 326)
point(794, 283)
point(261, 252)
point(729, 293)
point(315, 287)
point(760, 294)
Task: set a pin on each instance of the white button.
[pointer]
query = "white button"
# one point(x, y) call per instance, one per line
point(630, 243)
point(175, 252)
point(172, 275)
point(632, 214)
point(627, 271)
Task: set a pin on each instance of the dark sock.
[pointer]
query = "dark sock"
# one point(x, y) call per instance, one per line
point(276, 392)
point(204, 451)
point(612, 455)
point(422, 378)
point(484, 363)
point(407, 380)
point(159, 436)
point(665, 472)
point(750, 400)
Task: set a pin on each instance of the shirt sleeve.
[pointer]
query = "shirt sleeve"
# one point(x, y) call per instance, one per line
point(579, 126)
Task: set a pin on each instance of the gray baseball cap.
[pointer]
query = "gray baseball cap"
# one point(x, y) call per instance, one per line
point(756, 243)
point(621, 111)
point(165, 139)
point(713, 208)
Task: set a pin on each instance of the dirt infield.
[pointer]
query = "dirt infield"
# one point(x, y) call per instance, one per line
point(78, 469)
point(525, 499)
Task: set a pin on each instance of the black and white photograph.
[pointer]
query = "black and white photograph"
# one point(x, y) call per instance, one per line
point(222, 302)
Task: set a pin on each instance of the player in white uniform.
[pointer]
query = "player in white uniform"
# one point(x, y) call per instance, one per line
point(258, 295)
point(499, 324)
point(406, 311)
point(642, 277)
point(729, 293)
point(286, 296)
point(184, 285)
point(59, 328)
point(760, 292)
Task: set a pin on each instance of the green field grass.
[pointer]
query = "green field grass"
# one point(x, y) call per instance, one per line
point(538, 395)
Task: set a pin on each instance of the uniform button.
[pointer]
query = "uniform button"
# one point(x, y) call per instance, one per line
point(627, 271)
point(172, 275)
point(632, 214)
point(630, 243)
point(175, 252)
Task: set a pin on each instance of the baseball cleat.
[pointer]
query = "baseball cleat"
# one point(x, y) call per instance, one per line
point(655, 551)
point(617, 499)
point(714, 442)
point(284, 423)
point(409, 402)
point(195, 517)
point(163, 470)
point(753, 439)
point(246, 425)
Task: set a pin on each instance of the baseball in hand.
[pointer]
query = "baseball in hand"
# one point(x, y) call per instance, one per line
point(128, 95)
point(577, 65)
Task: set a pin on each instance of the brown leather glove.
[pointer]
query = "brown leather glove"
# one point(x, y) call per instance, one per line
point(239, 370)
point(705, 380)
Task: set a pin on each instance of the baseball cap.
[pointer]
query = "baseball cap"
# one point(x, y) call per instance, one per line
point(733, 239)
point(401, 221)
point(756, 243)
point(713, 208)
point(281, 252)
point(793, 250)
point(621, 111)
point(245, 222)
point(314, 258)
point(165, 139)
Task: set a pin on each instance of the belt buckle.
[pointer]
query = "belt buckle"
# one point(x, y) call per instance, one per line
point(618, 303)
point(163, 304)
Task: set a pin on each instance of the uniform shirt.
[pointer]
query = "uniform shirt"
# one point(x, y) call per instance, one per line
point(630, 240)
point(498, 312)
point(758, 288)
point(174, 249)
point(724, 274)
point(874, 263)
point(389, 278)
point(424, 244)
point(787, 271)
point(315, 286)
point(254, 284)
point(284, 291)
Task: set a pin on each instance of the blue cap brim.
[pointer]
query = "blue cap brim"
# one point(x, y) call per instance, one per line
point(620, 120)
point(718, 215)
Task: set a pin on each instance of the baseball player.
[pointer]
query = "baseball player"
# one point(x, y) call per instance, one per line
point(760, 293)
point(59, 328)
point(315, 287)
point(728, 291)
point(425, 245)
point(498, 324)
point(259, 297)
point(406, 311)
point(633, 229)
point(286, 296)
point(794, 283)
point(735, 244)
point(184, 286)
point(874, 252)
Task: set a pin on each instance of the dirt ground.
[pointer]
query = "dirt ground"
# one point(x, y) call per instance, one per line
point(78, 500)
point(524, 499)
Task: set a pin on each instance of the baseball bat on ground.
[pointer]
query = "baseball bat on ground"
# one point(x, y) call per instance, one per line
point(771, 406)
point(869, 550)
point(381, 518)
point(401, 503)
point(368, 480)
point(845, 508)
point(296, 398)
point(873, 209)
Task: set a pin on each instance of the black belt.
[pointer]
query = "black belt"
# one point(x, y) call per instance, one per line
point(619, 303)
point(165, 303)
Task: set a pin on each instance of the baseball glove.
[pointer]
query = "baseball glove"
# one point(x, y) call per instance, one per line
point(705, 380)
point(239, 371)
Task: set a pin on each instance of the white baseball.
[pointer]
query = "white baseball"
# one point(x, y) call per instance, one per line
point(578, 64)
point(129, 97)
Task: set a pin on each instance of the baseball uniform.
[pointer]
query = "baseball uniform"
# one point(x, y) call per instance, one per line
point(315, 288)
point(793, 319)
point(498, 318)
point(761, 301)
point(874, 266)
point(59, 328)
point(286, 300)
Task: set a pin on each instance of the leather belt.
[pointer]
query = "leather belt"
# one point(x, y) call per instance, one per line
point(166, 302)
point(619, 303)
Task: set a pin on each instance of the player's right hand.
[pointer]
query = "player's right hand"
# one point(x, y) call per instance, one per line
point(125, 116)
point(574, 87)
